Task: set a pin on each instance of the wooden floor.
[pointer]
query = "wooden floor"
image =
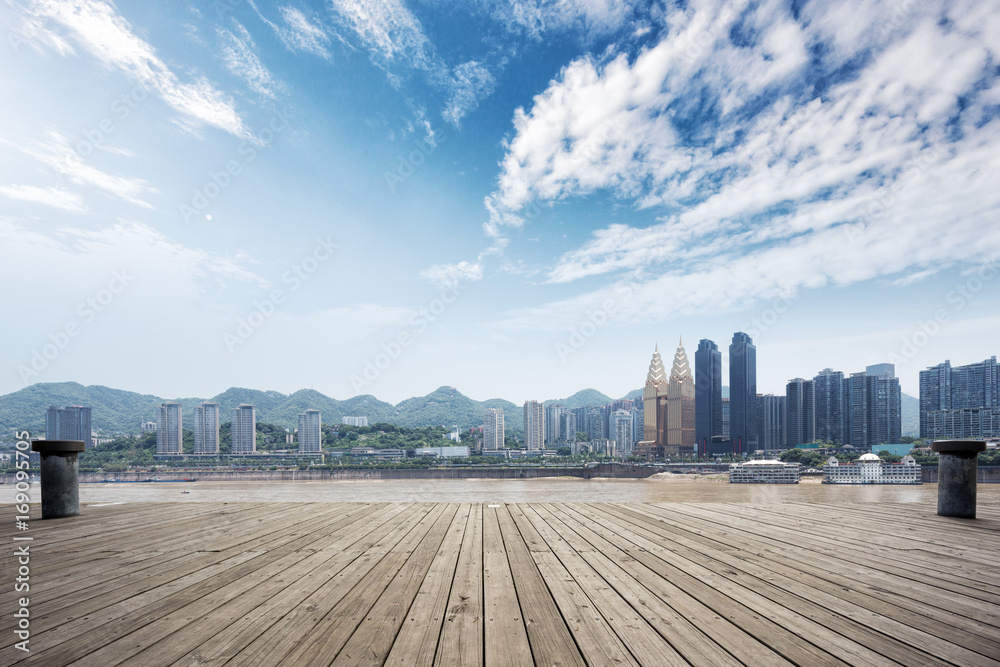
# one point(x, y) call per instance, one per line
point(518, 584)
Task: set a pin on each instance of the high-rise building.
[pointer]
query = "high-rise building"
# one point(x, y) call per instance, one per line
point(680, 406)
point(654, 402)
point(637, 425)
point(354, 421)
point(872, 414)
point(596, 424)
point(743, 394)
point(771, 421)
point(69, 423)
point(957, 389)
point(493, 429)
point(622, 432)
point(534, 426)
point(567, 426)
point(553, 424)
point(310, 432)
point(707, 393)
point(829, 391)
point(725, 417)
point(169, 430)
point(206, 428)
point(244, 429)
point(800, 410)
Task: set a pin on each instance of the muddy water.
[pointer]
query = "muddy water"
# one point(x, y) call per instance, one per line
point(672, 488)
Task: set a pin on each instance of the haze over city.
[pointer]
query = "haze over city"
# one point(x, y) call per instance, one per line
point(516, 199)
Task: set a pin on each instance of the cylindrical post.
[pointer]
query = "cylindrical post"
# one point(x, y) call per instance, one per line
point(60, 477)
point(958, 463)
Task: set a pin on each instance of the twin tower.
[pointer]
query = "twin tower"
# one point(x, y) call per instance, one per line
point(668, 408)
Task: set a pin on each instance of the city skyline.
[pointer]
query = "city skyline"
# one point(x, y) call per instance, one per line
point(389, 199)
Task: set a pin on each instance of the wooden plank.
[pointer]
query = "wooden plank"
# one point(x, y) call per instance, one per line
point(506, 639)
point(373, 638)
point(417, 640)
point(308, 622)
point(461, 643)
point(640, 619)
point(720, 624)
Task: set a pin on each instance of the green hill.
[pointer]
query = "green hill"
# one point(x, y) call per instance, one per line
point(583, 398)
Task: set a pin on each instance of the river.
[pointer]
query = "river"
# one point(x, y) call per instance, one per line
point(666, 488)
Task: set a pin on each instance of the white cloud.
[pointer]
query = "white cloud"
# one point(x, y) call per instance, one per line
point(471, 83)
point(58, 155)
point(879, 174)
point(299, 32)
point(451, 275)
point(52, 196)
point(99, 29)
point(537, 17)
point(240, 58)
point(389, 31)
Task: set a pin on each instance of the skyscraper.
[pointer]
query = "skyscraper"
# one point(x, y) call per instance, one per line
point(534, 426)
point(169, 430)
point(567, 426)
point(872, 413)
point(680, 406)
point(206, 428)
point(743, 394)
point(493, 429)
point(829, 389)
point(800, 410)
point(553, 423)
point(654, 418)
point(771, 421)
point(622, 432)
point(310, 432)
point(244, 429)
point(69, 423)
point(971, 394)
point(707, 393)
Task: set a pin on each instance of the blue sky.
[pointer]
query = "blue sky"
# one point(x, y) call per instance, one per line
point(518, 199)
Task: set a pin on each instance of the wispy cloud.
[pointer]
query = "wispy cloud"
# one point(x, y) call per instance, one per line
point(299, 33)
point(773, 147)
point(97, 28)
point(56, 153)
point(451, 275)
point(471, 82)
point(52, 196)
point(240, 57)
point(389, 31)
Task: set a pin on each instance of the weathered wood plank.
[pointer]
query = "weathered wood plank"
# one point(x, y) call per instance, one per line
point(461, 641)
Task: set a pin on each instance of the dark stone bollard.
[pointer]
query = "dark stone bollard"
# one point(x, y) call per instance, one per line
point(958, 464)
point(60, 477)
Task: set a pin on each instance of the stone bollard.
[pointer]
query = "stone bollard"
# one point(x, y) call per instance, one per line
point(957, 466)
point(60, 477)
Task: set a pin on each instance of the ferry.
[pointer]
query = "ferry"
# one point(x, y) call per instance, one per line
point(870, 469)
point(764, 472)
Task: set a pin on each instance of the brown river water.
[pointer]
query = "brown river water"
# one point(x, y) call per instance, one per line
point(667, 488)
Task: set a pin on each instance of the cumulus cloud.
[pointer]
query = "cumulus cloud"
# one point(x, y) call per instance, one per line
point(771, 144)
